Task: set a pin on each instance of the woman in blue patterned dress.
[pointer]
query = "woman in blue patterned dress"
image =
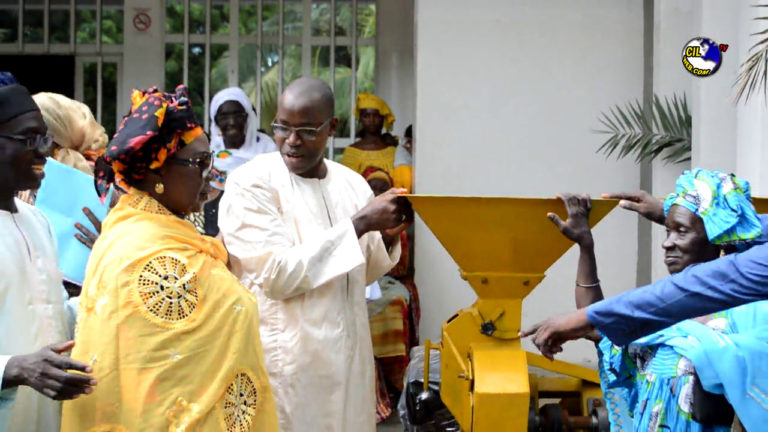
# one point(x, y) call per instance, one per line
point(649, 384)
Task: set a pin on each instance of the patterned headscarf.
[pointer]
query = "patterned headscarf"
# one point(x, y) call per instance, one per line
point(723, 201)
point(371, 101)
point(158, 125)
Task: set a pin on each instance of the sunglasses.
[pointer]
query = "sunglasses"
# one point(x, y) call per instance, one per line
point(40, 143)
point(201, 161)
point(305, 133)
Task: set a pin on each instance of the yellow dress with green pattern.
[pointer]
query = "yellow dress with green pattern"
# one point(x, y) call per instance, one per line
point(171, 334)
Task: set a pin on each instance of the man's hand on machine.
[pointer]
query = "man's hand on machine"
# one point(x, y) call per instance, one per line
point(642, 203)
point(550, 335)
point(389, 212)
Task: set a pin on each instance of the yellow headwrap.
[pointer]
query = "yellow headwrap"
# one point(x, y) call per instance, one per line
point(371, 101)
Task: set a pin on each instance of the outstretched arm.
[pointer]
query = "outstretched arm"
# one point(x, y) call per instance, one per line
point(576, 228)
point(698, 290)
point(642, 203)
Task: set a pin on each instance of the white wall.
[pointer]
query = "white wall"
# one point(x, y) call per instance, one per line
point(728, 136)
point(143, 52)
point(752, 117)
point(394, 60)
point(673, 27)
point(714, 128)
point(508, 93)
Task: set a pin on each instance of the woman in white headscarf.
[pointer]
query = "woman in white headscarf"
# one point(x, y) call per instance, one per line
point(235, 140)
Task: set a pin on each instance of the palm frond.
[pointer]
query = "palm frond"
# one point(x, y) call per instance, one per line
point(666, 131)
point(753, 72)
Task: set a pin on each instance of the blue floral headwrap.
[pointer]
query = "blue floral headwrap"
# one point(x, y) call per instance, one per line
point(723, 201)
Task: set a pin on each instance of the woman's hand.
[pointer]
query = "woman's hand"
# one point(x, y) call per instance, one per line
point(642, 203)
point(550, 335)
point(86, 236)
point(576, 228)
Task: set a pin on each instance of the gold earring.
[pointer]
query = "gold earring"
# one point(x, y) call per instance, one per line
point(159, 188)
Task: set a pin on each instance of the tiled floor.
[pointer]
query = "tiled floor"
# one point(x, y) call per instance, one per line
point(392, 424)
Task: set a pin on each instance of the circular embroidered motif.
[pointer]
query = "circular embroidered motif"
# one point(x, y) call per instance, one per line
point(240, 403)
point(167, 289)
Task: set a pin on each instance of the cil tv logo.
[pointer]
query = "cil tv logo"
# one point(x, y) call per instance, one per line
point(702, 56)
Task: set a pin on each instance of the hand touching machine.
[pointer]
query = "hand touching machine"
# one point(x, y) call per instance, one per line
point(503, 246)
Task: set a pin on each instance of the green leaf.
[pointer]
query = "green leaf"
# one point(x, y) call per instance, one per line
point(753, 72)
point(664, 130)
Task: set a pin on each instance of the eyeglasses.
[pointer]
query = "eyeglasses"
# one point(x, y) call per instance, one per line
point(41, 143)
point(221, 118)
point(305, 133)
point(203, 162)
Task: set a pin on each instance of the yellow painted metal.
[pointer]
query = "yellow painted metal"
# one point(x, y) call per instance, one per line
point(499, 235)
point(761, 204)
point(500, 394)
point(503, 246)
point(563, 368)
point(559, 384)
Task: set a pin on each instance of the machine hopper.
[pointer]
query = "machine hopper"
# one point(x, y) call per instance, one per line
point(502, 246)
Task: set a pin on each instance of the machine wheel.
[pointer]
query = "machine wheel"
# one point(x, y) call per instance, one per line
point(600, 413)
point(552, 418)
point(534, 421)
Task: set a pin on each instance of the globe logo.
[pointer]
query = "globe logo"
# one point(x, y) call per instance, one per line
point(702, 56)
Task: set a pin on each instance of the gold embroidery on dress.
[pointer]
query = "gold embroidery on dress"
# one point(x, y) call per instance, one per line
point(182, 415)
point(144, 202)
point(108, 428)
point(240, 403)
point(167, 289)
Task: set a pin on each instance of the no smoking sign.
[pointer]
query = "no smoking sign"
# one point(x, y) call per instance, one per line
point(142, 21)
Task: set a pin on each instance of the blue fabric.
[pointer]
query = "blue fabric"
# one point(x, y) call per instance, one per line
point(698, 290)
point(655, 384)
point(723, 201)
point(61, 197)
point(616, 398)
point(730, 354)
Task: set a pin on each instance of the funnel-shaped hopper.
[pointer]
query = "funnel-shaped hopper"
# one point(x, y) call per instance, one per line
point(500, 235)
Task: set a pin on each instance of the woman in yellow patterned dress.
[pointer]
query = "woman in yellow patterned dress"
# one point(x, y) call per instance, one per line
point(373, 148)
point(171, 335)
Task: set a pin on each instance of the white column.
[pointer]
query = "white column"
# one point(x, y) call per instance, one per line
point(143, 51)
point(728, 136)
point(714, 116)
point(395, 77)
point(672, 29)
point(751, 117)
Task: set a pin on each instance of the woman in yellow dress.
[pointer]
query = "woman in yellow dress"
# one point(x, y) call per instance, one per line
point(373, 148)
point(171, 335)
